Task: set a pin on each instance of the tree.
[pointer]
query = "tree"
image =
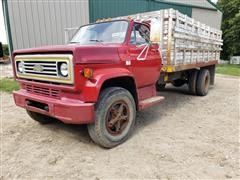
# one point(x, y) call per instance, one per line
point(230, 27)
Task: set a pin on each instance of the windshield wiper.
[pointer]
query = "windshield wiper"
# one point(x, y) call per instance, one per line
point(96, 40)
point(91, 40)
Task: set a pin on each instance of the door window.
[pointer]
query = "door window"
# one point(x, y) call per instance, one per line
point(140, 34)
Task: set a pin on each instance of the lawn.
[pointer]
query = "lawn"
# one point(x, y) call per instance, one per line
point(228, 69)
point(8, 85)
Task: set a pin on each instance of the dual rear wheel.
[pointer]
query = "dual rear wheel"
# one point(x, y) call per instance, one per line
point(199, 82)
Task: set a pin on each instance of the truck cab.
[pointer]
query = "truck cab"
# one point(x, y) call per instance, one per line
point(104, 76)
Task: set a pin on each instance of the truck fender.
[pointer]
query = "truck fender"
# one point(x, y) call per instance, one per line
point(92, 88)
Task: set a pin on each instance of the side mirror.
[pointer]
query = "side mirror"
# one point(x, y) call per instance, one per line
point(155, 31)
point(67, 32)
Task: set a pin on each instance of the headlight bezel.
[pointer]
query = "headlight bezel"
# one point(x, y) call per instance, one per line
point(61, 69)
point(19, 68)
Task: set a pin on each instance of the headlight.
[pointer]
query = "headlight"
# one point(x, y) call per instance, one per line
point(20, 66)
point(64, 69)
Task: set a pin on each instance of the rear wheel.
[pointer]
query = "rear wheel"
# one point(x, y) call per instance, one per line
point(42, 119)
point(178, 82)
point(203, 82)
point(114, 117)
point(192, 81)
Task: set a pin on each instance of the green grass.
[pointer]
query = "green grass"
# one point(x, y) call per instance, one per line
point(228, 69)
point(8, 85)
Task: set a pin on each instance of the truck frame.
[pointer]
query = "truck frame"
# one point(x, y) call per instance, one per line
point(111, 69)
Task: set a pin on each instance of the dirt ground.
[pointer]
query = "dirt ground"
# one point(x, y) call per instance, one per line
point(6, 70)
point(185, 137)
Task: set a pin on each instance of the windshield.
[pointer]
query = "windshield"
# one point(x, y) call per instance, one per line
point(107, 32)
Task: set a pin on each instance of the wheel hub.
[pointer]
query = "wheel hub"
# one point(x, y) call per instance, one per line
point(206, 83)
point(117, 117)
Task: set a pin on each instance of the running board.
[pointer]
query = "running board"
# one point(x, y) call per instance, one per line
point(150, 102)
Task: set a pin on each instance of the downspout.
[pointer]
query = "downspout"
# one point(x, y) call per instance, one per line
point(149, 5)
point(90, 11)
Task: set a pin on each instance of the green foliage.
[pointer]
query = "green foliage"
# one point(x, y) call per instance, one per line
point(228, 69)
point(8, 85)
point(5, 50)
point(230, 27)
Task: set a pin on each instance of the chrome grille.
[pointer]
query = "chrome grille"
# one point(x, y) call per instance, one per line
point(45, 67)
point(43, 91)
point(48, 68)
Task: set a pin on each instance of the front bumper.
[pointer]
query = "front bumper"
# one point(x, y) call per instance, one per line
point(65, 109)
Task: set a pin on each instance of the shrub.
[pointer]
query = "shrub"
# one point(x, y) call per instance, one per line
point(5, 50)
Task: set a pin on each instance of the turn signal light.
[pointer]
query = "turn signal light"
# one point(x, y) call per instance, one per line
point(88, 73)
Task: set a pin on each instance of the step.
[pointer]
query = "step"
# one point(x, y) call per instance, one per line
point(150, 102)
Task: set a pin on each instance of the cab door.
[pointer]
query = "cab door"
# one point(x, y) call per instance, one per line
point(145, 58)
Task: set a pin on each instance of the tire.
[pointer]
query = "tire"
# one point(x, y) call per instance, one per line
point(160, 87)
point(178, 82)
point(192, 82)
point(42, 119)
point(203, 82)
point(114, 103)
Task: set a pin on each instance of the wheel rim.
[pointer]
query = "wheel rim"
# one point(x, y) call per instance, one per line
point(117, 118)
point(206, 83)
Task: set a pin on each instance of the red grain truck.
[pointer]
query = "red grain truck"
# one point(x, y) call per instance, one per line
point(113, 68)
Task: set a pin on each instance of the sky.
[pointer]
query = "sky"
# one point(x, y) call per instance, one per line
point(3, 36)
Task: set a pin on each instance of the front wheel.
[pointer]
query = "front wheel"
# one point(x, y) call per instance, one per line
point(115, 114)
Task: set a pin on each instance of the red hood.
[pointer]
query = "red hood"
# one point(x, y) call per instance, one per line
point(100, 53)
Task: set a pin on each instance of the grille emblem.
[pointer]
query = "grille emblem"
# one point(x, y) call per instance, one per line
point(38, 68)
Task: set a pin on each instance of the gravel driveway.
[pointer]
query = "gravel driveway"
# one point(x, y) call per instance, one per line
point(6, 70)
point(184, 137)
